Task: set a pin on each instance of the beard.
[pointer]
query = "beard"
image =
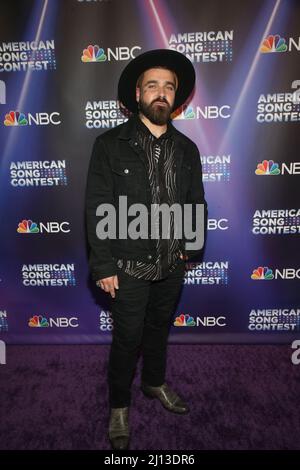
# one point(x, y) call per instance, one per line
point(158, 115)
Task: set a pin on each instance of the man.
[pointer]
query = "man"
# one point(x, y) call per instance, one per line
point(151, 163)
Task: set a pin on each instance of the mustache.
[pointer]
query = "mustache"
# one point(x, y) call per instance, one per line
point(163, 100)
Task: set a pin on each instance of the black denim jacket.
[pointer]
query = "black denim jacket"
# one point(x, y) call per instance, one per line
point(118, 168)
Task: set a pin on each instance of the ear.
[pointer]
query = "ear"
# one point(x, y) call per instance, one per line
point(137, 94)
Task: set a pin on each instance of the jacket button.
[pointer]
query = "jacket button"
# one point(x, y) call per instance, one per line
point(126, 170)
point(135, 143)
point(149, 256)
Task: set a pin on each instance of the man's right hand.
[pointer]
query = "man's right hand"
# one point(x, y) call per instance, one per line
point(109, 284)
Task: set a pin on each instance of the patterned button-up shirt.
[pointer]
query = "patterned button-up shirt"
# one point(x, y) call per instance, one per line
point(160, 154)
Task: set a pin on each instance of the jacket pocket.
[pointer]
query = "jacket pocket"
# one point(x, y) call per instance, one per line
point(127, 178)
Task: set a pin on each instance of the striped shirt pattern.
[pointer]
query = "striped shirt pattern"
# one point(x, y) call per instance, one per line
point(160, 154)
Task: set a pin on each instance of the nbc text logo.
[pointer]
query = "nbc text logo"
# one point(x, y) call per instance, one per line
point(276, 43)
point(28, 226)
point(205, 321)
point(18, 119)
point(264, 273)
point(270, 168)
point(205, 112)
point(217, 224)
point(97, 54)
point(39, 321)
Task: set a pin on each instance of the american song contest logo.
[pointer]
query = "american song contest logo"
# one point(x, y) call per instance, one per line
point(276, 221)
point(274, 319)
point(26, 56)
point(36, 173)
point(48, 275)
point(105, 114)
point(216, 168)
point(206, 273)
point(283, 106)
point(204, 46)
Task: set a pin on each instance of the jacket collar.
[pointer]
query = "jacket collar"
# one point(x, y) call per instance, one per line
point(128, 129)
point(127, 132)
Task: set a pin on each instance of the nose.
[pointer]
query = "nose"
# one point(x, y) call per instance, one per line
point(162, 94)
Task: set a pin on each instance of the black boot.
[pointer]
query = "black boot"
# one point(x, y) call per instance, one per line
point(168, 398)
point(118, 431)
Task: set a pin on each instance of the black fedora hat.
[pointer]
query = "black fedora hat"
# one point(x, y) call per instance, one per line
point(168, 58)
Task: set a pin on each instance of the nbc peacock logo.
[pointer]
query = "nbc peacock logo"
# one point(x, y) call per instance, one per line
point(15, 118)
point(189, 113)
point(184, 113)
point(27, 226)
point(93, 54)
point(273, 43)
point(38, 321)
point(184, 320)
point(267, 167)
point(262, 273)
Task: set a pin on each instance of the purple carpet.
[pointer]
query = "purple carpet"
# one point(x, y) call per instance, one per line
point(242, 397)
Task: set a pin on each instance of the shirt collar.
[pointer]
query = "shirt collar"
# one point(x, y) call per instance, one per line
point(143, 128)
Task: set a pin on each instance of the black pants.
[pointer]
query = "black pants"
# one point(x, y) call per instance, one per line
point(142, 311)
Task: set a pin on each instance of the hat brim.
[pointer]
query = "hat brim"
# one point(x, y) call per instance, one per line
point(168, 58)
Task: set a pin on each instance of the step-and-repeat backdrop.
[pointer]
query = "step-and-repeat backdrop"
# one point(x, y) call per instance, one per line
point(60, 61)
